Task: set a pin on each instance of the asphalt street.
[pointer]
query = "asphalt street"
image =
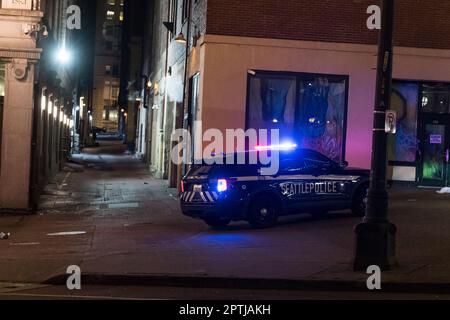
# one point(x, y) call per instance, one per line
point(109, 216)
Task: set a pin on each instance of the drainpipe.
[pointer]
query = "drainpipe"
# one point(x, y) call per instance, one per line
point(181, 123)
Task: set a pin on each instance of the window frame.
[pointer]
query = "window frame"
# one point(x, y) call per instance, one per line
point(173, 13)
point(185, 10)
point(299, 76)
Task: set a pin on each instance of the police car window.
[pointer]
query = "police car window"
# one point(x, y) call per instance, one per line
point(292, 165)
point(237, 170)
point(200, 170)
point(316, 160)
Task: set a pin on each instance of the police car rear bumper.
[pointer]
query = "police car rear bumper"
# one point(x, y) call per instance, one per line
point(204, 211)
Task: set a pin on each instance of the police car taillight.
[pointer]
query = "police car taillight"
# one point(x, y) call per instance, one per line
point(222, 185)
point(182, 186)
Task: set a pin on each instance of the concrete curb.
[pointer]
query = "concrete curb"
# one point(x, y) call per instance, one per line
point(16, 212)
point(256, 284)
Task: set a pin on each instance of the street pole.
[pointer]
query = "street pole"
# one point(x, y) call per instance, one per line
point(375, 236)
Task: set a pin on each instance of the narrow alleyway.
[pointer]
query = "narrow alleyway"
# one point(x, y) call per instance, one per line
point(104, 180)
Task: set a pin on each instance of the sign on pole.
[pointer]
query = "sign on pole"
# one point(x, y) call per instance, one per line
point(391, 122)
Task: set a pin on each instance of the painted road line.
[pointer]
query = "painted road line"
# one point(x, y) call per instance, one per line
point(123, 205)
point(25, 244)
point(70, 233)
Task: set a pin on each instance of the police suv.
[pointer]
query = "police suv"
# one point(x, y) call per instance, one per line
point(307, 182)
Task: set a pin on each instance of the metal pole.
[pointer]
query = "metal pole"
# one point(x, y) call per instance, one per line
point(375, 243)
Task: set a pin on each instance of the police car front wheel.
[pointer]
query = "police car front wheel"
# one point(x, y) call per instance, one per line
point(264, 212)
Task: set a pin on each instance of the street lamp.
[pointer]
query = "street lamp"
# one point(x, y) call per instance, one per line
point(63, 56)
point(375, 243)
point(180, 38)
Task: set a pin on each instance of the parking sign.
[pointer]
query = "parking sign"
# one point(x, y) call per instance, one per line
point(391, 122)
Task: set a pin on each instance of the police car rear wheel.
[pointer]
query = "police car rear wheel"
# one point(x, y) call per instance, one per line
point(264, 212)
point(217, 223)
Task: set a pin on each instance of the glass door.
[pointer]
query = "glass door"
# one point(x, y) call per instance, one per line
point(434, 151)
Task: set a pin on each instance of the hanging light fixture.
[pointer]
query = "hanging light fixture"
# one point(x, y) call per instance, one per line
point(180, 38)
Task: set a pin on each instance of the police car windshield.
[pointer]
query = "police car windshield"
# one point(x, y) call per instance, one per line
point(298, 159)
point(315, 158)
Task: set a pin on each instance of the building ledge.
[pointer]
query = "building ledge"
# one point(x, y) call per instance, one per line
point(21, 53)
point(21, 13)
point(319, 45)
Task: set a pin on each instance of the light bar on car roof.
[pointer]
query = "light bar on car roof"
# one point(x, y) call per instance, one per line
point(282, 147)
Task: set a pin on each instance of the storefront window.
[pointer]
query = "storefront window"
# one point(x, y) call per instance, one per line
point(272, 104)
point(402, 146)
point(308, 109)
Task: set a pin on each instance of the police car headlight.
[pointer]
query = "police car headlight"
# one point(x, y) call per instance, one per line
point(222, 185)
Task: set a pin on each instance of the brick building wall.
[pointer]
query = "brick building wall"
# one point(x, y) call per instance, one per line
point(199, 9)
point(419, 23)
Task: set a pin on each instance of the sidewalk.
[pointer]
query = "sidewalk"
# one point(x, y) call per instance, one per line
point(123, 227)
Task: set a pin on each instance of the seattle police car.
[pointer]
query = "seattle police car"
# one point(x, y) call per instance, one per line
point(307, 182)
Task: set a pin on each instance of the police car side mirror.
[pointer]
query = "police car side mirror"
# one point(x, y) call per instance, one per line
point(345, 164)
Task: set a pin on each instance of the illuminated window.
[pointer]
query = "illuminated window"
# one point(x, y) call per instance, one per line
point(110, 95)
point(110, 113)
point(50, 107)
point(82, 105)
point(43, 102)
point(110, 14)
